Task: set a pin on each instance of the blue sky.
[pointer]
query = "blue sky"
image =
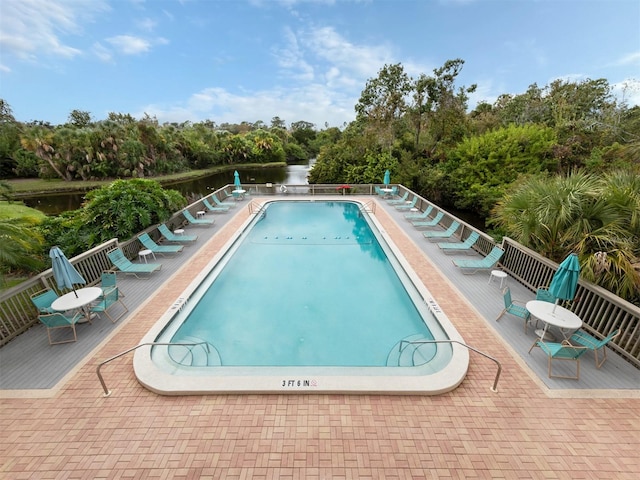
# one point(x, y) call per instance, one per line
point(250, 60)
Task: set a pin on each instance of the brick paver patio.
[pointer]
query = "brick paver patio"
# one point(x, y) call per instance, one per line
point(523, 431)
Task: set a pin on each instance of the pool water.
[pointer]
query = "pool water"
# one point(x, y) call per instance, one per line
point(307, 296)
point(308, 285)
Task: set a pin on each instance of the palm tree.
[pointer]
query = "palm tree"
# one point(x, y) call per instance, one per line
point(595, 217)
point(20, 246)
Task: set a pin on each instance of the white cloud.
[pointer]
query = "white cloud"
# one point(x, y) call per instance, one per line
point(146, 24)
point(37, 29)
point(628, 91)
point(313, 103)
point(628, 59)
point(129, 45)
point(132, 45)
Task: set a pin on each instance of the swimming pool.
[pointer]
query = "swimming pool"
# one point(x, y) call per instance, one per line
point(309, 296)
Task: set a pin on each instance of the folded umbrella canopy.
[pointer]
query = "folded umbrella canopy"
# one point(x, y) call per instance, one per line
point(387, 178)
point(565, 281)
point(64, 273)
point(236, 180)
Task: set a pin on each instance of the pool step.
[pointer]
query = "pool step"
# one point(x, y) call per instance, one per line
point(195, 356)
point(411, 354)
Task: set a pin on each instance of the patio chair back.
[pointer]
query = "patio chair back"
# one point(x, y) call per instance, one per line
point(43, 300)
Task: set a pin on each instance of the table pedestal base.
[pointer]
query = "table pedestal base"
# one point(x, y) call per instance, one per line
point(545, 336)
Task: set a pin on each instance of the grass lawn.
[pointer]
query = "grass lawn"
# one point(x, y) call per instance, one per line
point(18, 210)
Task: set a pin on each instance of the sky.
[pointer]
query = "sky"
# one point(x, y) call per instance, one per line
point(231, 61)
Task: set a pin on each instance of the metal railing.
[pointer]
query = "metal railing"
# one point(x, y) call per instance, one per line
point(494, 388)
point(107, 392)
point(601, 311)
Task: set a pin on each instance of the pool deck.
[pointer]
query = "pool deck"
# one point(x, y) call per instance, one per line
point(530, 428)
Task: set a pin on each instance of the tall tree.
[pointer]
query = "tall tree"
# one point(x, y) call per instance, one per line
point(383, 101)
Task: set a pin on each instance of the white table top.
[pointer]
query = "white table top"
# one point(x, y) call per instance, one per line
point(553, 314)
point(238, 191)
point(145, 252)
point(69, 301)
point(386, 190)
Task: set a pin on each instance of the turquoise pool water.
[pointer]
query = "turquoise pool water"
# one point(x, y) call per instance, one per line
point(310, 284)
point(308, 294)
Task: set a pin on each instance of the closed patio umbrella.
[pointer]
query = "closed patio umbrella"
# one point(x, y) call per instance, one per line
point(565, 281)
point(236, 180)
point(65, 274)
point(387, 178)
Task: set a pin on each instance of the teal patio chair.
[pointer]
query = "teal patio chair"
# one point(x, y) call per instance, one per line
point(429, 223)
point(57, 320)
point(407, 206)
point(512, 307)
point(486, 263)
point(590, 342)
point(419, 216)
point(43, 300)
point(543, 294)
point(197, 221)
point(561, 351)
point(109, 298)
point(123, 264)
point(440, 234)
point(170, 236)
point(148, 243)
point(108, 280)
point(399, 201)
point(211, 208)
point(466, 246)
point(223, 204)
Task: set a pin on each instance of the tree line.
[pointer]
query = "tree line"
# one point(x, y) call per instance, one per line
point(124, 147)
point(556, 167)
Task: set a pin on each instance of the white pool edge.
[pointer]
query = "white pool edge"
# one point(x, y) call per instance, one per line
point(303, 380)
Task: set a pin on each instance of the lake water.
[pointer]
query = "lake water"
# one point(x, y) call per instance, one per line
point(292, 174)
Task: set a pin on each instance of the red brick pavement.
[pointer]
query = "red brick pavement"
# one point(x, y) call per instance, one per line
point(523, 431)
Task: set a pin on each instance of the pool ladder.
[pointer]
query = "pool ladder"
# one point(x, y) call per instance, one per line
point(494, 388)
point(369, 207)
point(107, 392)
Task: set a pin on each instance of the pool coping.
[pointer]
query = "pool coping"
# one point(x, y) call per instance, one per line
point(304, 379)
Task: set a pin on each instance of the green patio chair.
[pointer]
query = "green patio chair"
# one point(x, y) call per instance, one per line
point(590, 342)
point(123, 264)
point(511, 307)
point(197, 221)
point(43, 300)
point(170, 236)
point(466, 246)
point(59, 320)
point(407, 206)
point(429, 223)
point(543, 294)
point(148, 243)
point(399, 201)
point(109, 280)
point(223, 204)
point(486, 263)
point(419, 216)
point(561, 351)
point(109, 298)
point(211, 208)
point(440, 234)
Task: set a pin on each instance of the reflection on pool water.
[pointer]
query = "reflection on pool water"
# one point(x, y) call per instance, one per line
point(308, 297)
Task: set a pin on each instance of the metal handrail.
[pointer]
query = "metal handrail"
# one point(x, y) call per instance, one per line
point(107, 392)
point(252, 205)
point(494, 388)
point(369, 207)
